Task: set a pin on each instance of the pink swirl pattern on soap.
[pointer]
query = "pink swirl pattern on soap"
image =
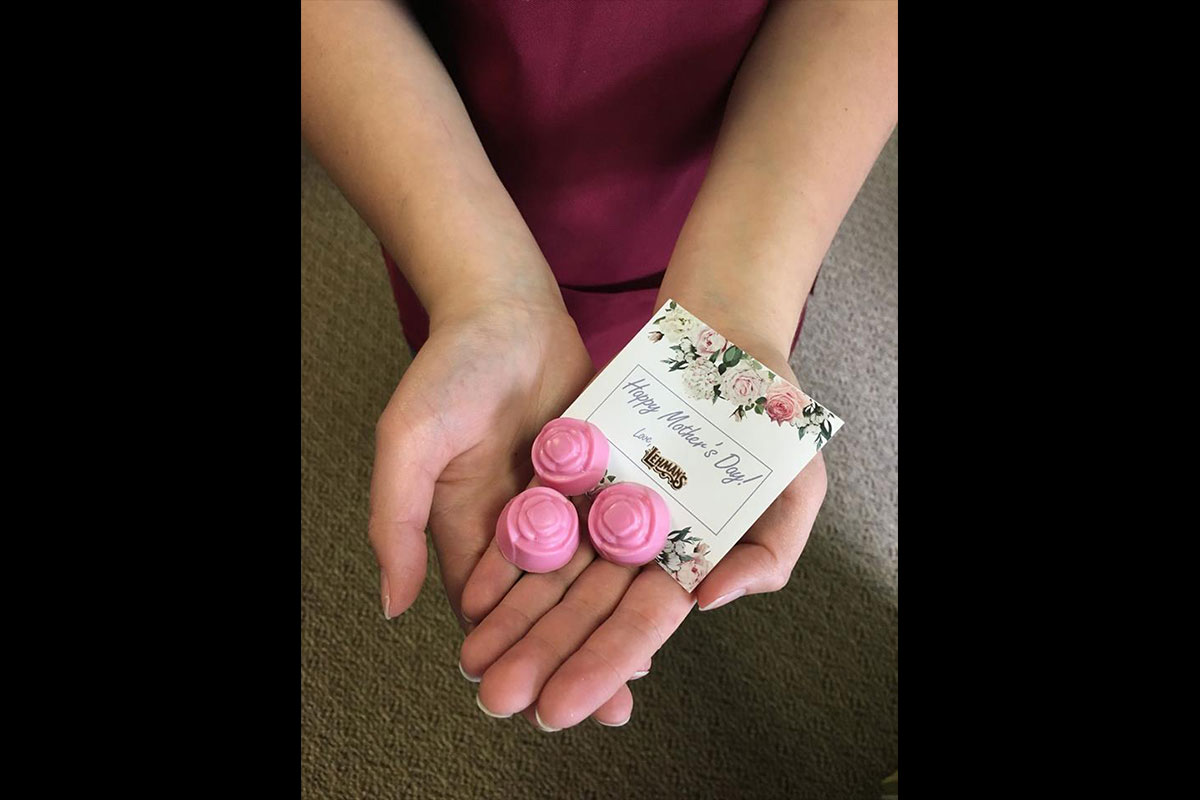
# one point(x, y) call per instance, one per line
point(538, 530)
point(629, 523)
point(570, 455)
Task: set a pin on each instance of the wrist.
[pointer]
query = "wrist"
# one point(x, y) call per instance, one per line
point(505, 314)
point(462, 263)
point(527, 290)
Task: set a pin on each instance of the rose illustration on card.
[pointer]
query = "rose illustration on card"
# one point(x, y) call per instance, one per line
point(715, 369)
point(716, 433)
point(683, 558)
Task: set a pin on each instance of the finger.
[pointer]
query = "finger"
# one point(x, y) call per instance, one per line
point(515, 680)
point(647, 615)
point(492, 576)
point(408, 461)
point(462, 536)
point(765, 557)
point(522, 607)
point(617, 710)
point(613, 714)
point(491, 579)
point(642, 672)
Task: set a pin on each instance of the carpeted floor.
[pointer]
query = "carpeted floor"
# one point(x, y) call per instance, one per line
point(784, 695)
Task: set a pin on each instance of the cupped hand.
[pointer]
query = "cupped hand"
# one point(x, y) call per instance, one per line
point(564, 643)
point(452, 445)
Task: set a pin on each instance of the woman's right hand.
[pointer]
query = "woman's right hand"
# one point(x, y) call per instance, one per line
point(453, 443)
point(453, 446)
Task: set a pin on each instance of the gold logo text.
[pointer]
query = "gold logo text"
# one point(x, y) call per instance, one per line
point(671, 472)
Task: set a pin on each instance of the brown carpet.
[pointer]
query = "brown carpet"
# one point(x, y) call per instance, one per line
point(784, 695)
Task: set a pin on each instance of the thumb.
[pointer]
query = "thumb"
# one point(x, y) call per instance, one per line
point(764, 559)
point(407, 464)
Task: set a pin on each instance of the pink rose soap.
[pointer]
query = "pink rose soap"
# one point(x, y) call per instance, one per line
point(538, 530)
point(629, 524)
point(570, 455)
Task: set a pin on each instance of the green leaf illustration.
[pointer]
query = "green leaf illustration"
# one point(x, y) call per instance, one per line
point(660, 319)
point(672, 306)
point(732, 356)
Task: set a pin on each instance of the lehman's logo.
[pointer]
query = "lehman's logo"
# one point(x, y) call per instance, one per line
point(672, 473)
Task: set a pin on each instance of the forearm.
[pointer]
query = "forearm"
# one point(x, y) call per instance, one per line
point(382, 115)
point(812, 105)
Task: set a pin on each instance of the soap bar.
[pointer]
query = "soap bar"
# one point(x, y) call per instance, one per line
point(570, 455)
point(538, 530)
point(629, 524)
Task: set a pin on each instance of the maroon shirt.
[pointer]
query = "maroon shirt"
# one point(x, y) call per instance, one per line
point(600, 119)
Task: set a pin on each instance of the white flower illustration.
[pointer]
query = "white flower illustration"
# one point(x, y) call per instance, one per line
point(677, 324)
point(699, 379)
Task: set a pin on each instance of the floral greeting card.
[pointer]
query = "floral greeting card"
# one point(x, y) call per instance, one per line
point(712, 430)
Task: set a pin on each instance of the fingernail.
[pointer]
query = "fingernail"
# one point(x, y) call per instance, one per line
point(387, 597)
point(723, 599)
point(471, 678)
point(483, 708)
point(543, 726)
point(614, 725)
point(640, 674)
